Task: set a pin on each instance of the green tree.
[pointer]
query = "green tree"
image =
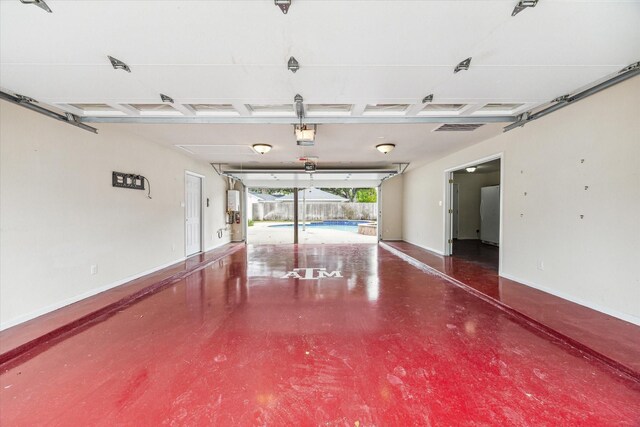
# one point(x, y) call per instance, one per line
point(367, 195)
point(362, 195)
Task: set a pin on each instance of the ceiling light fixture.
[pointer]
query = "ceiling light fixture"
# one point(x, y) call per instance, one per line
point(40, 3)
point(166, 98)
point(262, 148)
point(522, 5)
point(283, 5)
point(293, 65)
point(464, 65)
point(118, 65)
point(471, 169)
point(385, 148)
point(428, 98)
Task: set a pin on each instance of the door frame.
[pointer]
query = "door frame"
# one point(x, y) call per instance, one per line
point(447, 223)
point(456, 215)
point(202, 177)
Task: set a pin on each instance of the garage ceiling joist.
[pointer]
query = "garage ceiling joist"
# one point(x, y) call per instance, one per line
point(294, 120)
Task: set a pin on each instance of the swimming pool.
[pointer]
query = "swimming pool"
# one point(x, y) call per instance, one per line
point(342, 225)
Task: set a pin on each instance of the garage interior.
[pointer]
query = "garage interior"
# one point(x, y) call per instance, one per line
point(132, 132)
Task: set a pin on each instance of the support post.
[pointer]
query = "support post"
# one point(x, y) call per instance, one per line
point(295, 215)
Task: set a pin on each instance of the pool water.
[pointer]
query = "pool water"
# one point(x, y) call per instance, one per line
point(346, 225)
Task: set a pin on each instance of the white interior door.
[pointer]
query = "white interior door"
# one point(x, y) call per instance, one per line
point(490, 214)
point(193, 214)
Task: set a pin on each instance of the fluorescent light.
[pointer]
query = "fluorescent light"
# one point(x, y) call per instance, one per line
point(305, 135)
point(262, 148)
point(385, 148)
point(471, 169)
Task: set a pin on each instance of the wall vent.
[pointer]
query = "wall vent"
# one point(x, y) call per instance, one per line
point(458, 127)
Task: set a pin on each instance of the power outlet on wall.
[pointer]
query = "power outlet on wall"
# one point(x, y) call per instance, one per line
point(540, 264)
point(94, 269)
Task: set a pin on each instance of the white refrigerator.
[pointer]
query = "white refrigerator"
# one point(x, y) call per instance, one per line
point(490, 214)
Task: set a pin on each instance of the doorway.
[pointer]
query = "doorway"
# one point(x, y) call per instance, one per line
point(325, 215)
point(193, 213)
point(474, 218)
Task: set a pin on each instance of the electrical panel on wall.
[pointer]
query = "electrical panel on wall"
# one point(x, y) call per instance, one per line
point(127, 180)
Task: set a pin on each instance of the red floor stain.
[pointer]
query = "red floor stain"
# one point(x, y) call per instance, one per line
point(386, 344)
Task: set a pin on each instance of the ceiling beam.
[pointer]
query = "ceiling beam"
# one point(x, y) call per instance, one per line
point(301, 170)
point(294, 120)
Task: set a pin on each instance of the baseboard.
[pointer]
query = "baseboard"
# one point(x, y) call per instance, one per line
point(425, 247)
point(611, 312)
point(68, 301)
point(210, 248)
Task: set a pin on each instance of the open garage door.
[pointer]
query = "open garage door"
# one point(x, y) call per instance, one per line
point(323, 178)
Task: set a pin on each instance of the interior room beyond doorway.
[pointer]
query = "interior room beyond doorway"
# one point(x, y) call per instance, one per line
point(475, 213)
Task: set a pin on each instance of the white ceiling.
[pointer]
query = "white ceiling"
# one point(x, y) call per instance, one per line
point(353, 52)
point(336, 145)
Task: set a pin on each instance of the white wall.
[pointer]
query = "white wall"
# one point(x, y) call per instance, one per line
point(592, 261)
point(391, 208)
point(469, 185)
point(59, 213)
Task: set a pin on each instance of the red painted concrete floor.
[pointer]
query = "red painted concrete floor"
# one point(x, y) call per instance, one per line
point(475, 251)
point(614, 339)
point(52, 325)
point(386, 344)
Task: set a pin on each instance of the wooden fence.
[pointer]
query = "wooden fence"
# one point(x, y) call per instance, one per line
point(315, 211)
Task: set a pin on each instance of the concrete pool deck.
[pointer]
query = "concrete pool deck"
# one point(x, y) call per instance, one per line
point(261, 233)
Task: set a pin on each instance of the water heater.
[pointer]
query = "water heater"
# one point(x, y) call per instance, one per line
point(233, 201)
